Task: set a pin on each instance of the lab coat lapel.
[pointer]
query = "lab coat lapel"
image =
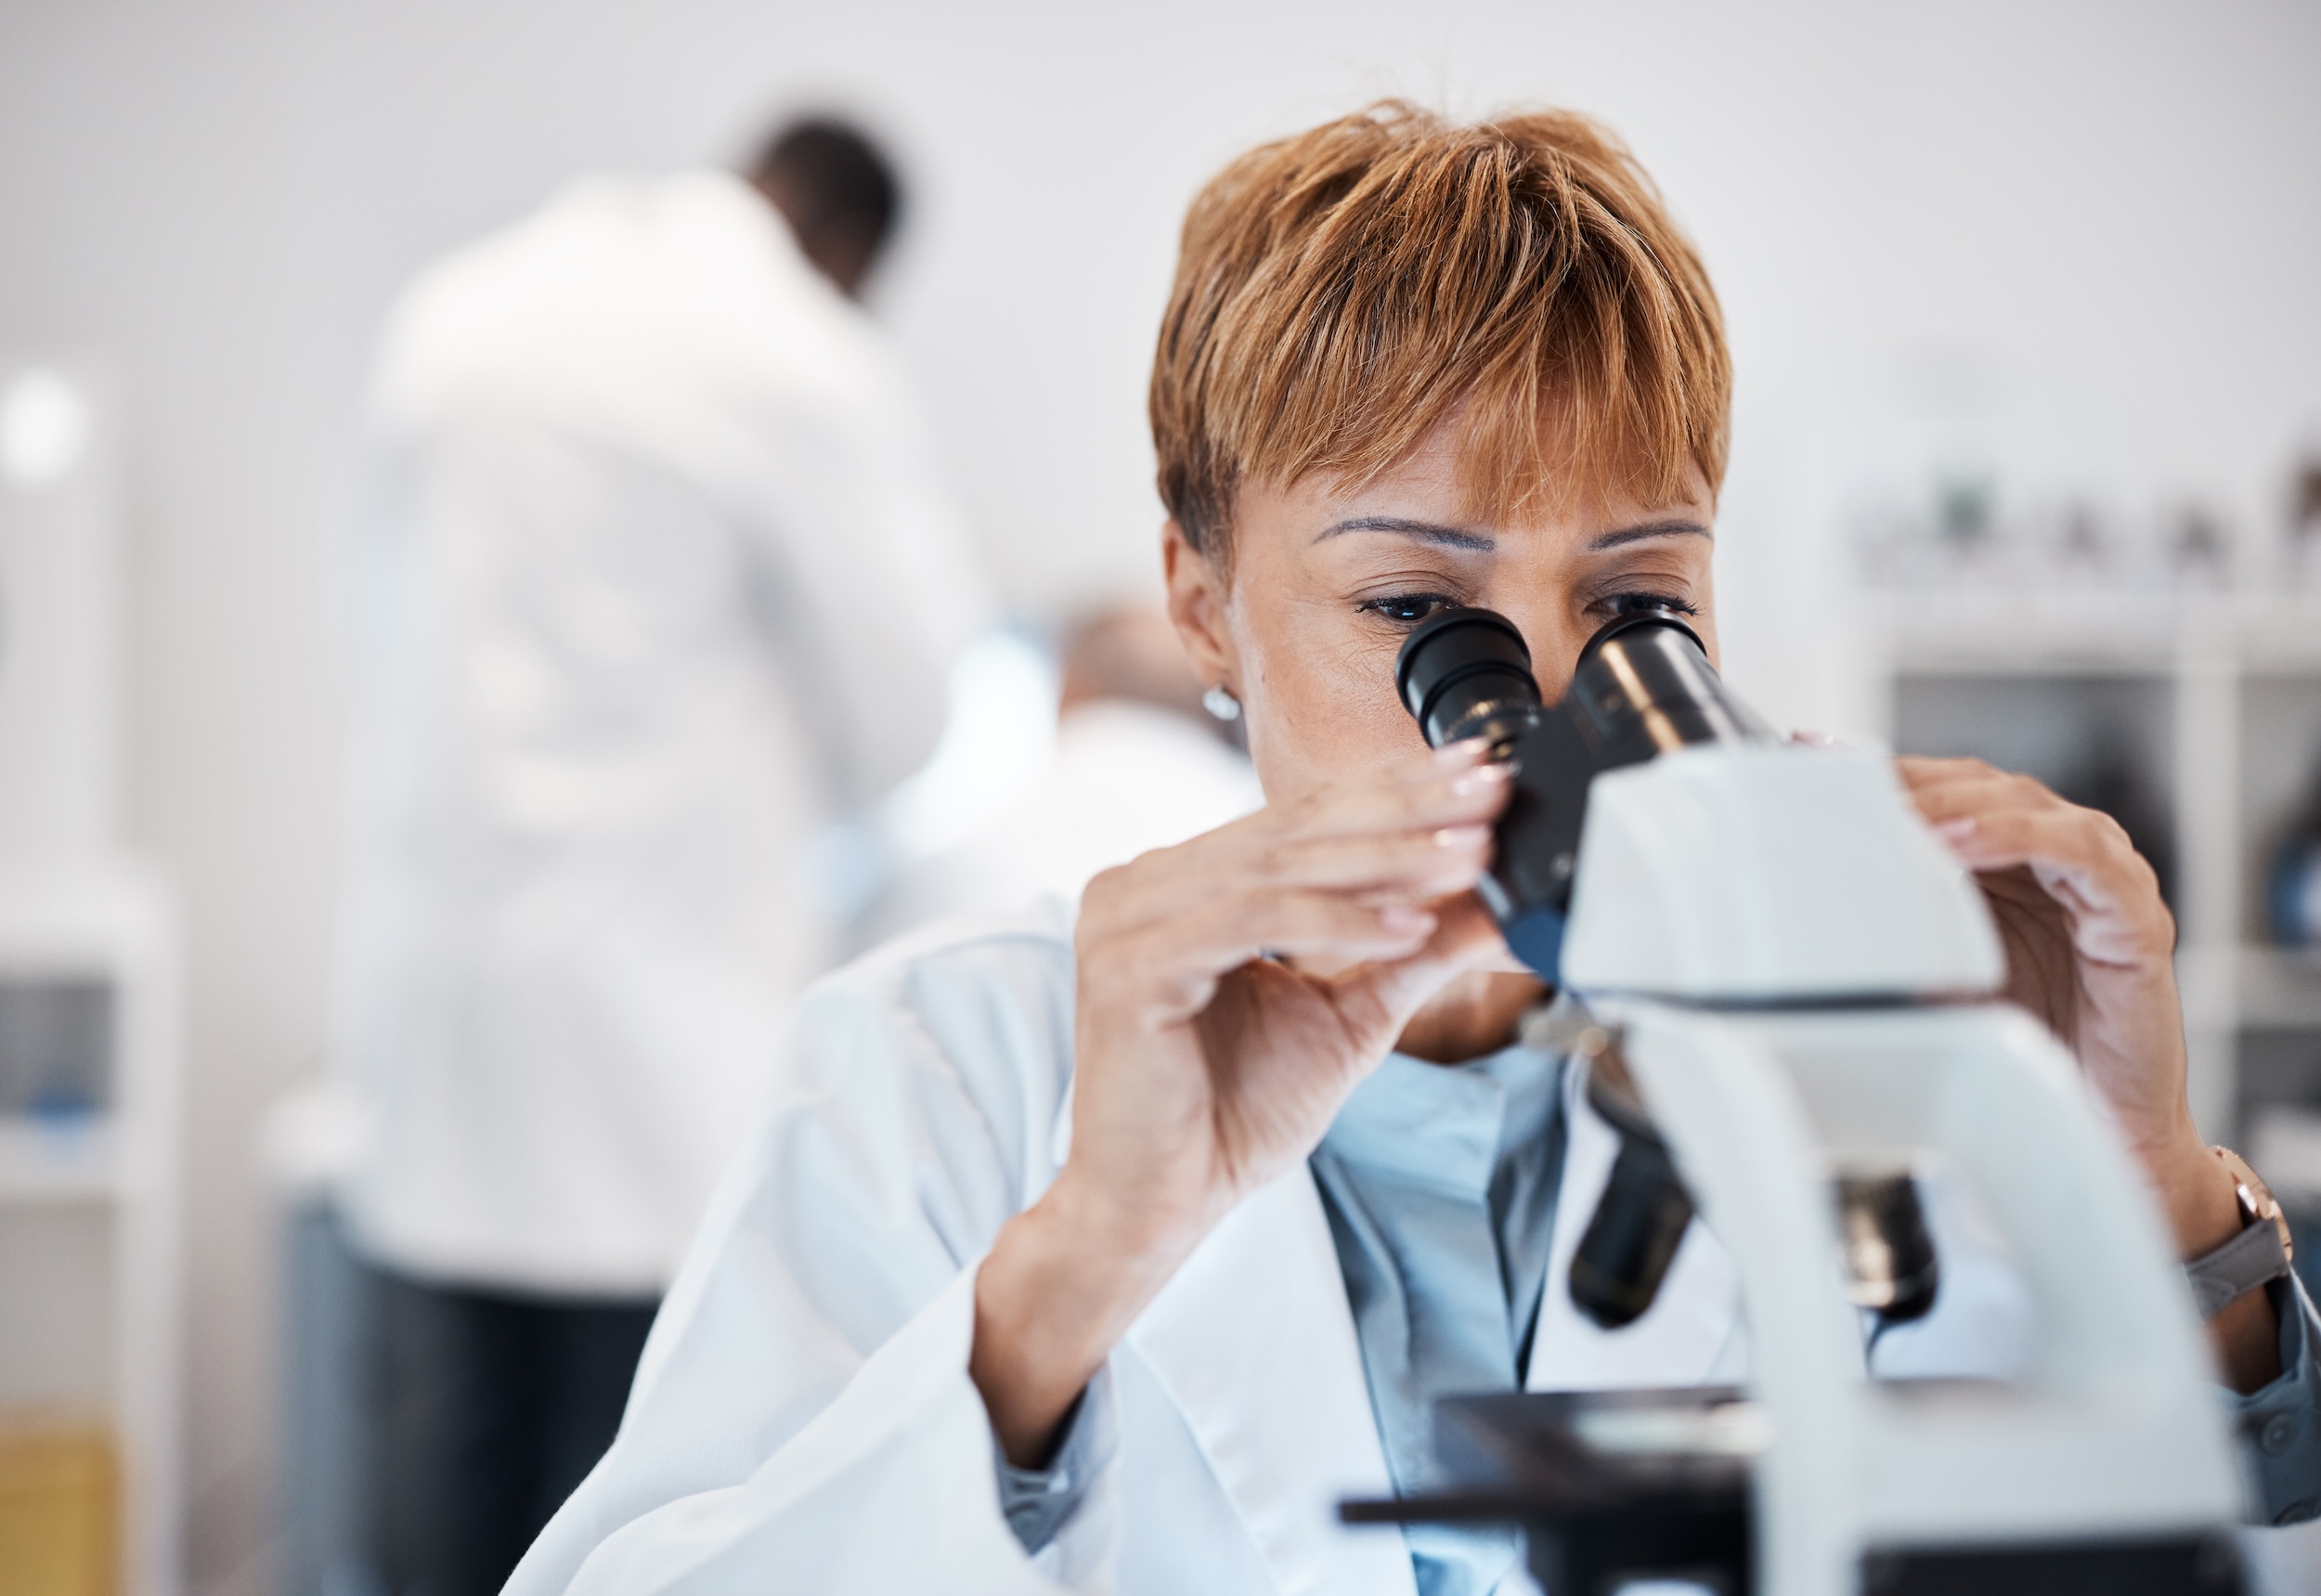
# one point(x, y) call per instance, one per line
point(1690, 1335)
point(1254, 1342)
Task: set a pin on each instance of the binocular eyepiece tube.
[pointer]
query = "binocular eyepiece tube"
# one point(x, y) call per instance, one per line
point(1467, 673)
point(1643, 687)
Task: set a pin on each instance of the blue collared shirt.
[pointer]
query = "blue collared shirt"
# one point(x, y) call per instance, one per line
point(1440, 1183)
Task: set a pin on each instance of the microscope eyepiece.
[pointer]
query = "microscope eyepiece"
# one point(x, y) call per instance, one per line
point(1467, 673)
point(1644, 679)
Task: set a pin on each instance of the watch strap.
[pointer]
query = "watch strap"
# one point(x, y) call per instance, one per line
point(2253, 1258)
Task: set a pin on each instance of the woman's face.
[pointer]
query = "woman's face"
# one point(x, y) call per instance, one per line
point(1326, 583)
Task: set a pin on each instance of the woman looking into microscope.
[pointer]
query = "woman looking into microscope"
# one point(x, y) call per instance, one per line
point(1111, 1252)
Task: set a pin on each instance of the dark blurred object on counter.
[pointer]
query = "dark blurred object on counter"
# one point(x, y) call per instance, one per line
point(2292, 895)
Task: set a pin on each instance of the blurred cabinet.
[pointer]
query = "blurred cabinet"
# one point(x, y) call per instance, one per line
point(60, 1510)
point(89, 1496)
point(2195, 719)
point(88, 1342)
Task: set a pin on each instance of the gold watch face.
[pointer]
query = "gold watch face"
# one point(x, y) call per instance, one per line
point(2257, 1201)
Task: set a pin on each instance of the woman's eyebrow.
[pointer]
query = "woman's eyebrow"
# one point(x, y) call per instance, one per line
point(1678, 528)
point(1425, 531)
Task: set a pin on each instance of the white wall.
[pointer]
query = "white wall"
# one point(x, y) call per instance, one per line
point(2117, 201)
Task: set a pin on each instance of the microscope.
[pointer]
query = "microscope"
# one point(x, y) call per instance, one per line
point(1782, 986)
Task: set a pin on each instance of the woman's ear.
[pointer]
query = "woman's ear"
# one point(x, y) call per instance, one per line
point(1196, 599)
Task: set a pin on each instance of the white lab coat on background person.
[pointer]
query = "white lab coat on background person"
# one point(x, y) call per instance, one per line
point(1126, 778)
point(652, 574)
point(803, 1419)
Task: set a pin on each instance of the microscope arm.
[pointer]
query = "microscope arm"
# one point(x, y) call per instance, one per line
point(1790, 955)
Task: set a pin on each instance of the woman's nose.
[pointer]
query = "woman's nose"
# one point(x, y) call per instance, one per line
point(1554, 645)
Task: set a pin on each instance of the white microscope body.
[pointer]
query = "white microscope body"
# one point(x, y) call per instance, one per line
point(1801, 978)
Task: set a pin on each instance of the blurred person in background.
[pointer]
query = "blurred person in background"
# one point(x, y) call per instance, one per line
point(1140, 763)
point(652, 576)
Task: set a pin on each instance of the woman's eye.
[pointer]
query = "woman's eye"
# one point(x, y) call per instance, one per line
point(1645, 603)
point(1407, 609)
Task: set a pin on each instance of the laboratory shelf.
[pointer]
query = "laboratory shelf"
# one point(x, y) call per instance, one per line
point(88, 1212)
point(2092, 633)
point(45, 1164)
point(2194, 717)
point(2278, 988)
point(90, 1202)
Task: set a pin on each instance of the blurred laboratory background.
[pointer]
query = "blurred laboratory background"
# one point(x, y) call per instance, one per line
point(2027, 463)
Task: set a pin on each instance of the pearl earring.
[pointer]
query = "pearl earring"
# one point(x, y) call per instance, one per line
point(1219, 701)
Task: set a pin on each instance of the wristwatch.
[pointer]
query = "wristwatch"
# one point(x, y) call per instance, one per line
point(2258, 1256)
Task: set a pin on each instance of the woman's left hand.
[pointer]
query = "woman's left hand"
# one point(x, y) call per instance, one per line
point(2091, 949)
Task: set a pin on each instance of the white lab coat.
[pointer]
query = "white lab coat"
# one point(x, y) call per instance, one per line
point(1126, 778)
point(651, 573)
point(803, 1421)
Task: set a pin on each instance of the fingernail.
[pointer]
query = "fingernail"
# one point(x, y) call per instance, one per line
point(1406, 922)
point(1482, 778)
point(1461, 835)
point(1958, 828)
point(1466, 751)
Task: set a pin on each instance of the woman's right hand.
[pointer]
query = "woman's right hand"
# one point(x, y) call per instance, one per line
point(1233, 990)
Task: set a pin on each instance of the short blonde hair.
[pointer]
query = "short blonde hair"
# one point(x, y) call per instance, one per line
point(1342, 293)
